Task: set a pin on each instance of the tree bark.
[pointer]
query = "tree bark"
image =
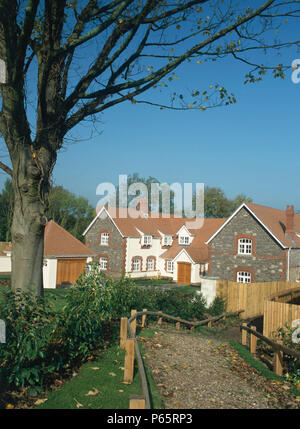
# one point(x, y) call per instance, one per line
point(30, 183)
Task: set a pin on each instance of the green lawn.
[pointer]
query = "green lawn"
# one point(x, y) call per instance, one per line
point(188, 290)
point(104, 377)
point(152, 282)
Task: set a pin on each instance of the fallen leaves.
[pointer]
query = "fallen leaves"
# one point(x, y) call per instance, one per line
point(93, 392)
point(40, 401)
point(78, 404)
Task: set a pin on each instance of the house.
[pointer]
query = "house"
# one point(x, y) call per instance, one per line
point(256, 244)
point(5, 262)
point(144, 245)
point(65, 257)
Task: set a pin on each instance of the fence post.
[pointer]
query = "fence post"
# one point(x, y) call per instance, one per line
point(137, 403)
point(244, 335)
point(123, 332)
point(129, 361)
point(133, 323)
point(278, 361)
point(209, 324)
point(178, 326)
point(144, 318)
point(253, 341)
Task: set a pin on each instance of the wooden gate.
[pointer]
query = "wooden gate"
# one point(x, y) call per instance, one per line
point(68, 270)
point(184, 272)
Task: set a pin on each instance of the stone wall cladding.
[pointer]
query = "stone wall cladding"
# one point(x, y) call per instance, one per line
point(268, 264)
point(114, 250)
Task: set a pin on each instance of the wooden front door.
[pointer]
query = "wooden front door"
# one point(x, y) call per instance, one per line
point(68, 270)
point(184, 272)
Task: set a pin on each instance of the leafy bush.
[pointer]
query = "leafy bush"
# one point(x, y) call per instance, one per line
point(86, 314)
point(42, 341)
point(217, 307)
point(30, 329)
point(285, 335)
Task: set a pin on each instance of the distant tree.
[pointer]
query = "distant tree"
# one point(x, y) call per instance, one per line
point(71, 212)
point(217, 205)
point(238, 200)
point(136, 178)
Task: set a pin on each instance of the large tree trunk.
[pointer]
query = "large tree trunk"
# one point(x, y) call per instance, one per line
point(30, 189)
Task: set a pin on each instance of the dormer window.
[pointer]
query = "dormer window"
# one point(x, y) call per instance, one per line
point(147, 240)
point(167, 240)
point(184, 240)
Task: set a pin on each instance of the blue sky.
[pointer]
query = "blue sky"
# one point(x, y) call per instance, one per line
point(251, 147)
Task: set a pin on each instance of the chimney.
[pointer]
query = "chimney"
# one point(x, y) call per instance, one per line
point(289, 219)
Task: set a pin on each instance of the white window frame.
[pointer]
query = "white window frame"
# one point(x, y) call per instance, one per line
point(170, 266)
point(103, 262)
point(243, 277)
point(104, 238)
point(184, 240)
point(147, 240)
point(136, 264)
point(245, 246)
point(153, 263)
point(167, 240)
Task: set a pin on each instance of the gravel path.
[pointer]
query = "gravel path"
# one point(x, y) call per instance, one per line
point(197, 372)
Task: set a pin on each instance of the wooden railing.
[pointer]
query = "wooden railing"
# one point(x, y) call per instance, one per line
point(129, 343)
point(278, 348)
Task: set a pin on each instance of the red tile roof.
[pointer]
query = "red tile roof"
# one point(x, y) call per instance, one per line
point(59, 242)
point(275, 221)
point(4, 246)
point(197, 250)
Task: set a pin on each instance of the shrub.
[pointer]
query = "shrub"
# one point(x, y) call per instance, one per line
point(217, 307)
point(42, 341)
point(285, 335)
point(30, 329)
point(86, 314)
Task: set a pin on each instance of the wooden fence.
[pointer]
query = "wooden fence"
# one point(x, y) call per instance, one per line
point(250, 296)
point(278, 312)
point(279, 349)
point(129, 343)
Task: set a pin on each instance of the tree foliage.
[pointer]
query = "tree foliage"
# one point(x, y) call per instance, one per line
point(74, 213)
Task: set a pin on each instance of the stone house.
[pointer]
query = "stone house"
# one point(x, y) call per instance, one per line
point(144, 245)
point(256, 244)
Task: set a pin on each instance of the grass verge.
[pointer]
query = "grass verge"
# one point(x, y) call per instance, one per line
point(99, 385)
point(259, 366)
